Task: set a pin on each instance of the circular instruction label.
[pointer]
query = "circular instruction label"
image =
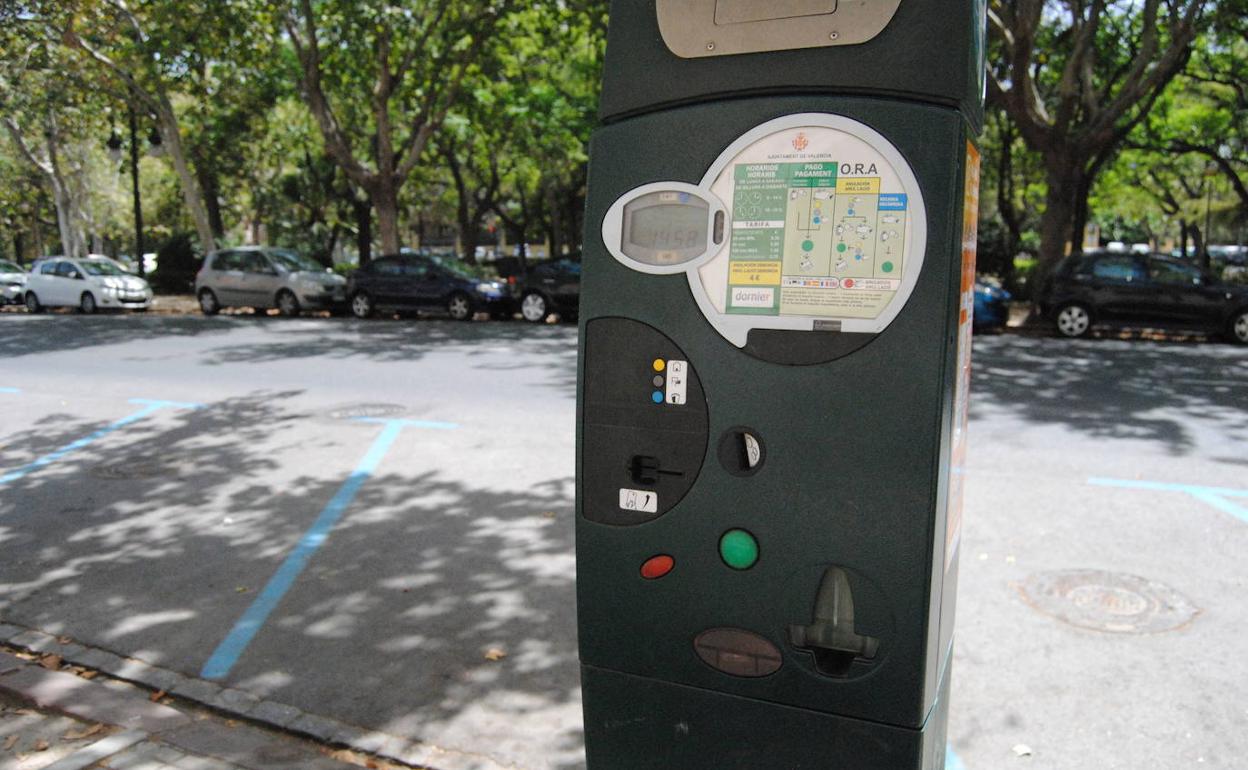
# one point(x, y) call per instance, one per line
point(809, 222)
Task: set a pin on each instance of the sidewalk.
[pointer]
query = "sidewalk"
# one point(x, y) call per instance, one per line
point(56, 717)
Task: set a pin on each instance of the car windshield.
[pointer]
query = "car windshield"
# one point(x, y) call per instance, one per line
point(9, 267)
point(101, 267)
point(294, 261)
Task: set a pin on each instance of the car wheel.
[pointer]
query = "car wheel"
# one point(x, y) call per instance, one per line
point(208, 303)
point(287, 303)
point(32, 303)
point(1239, 328)
point(460, 307)
point(534, 307)
point(1073, 320)
point(362, 305)
point(86, 303)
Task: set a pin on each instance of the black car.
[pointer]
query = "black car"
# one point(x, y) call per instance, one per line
point(1117, 287)
point(410, 282)
point(550, 287)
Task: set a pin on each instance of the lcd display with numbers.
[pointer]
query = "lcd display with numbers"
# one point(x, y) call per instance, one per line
point(665, 228)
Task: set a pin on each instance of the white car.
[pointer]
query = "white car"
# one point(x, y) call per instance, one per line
point(88, 283)
point(12, 283)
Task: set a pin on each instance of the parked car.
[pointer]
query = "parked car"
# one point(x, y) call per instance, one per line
point(263, 277)
point(992, 306)
point(1114, 287)
point(87, 283)
point(549, 287)
point(411, 282)
point(12, 283)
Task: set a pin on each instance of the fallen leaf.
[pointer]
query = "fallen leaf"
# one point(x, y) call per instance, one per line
point(51, 662)
point(156, 696)
point(64, 640)
point(1022, 750)
point(242, 589)
point(371, 764)
point(10, 742)
point(549, 514)
point(494, 654)
point(86, 732)
point(89, 674)
point(40, 745)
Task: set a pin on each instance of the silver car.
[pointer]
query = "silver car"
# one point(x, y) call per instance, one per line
point(12, 283)
point(263, 278)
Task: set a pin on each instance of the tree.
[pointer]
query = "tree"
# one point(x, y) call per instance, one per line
point(411, 61)
point(147, 51)
point(1075, 77)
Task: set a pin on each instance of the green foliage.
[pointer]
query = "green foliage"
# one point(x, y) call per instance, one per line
point(177, 263)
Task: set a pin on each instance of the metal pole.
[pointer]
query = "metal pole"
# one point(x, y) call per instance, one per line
point(134, 178)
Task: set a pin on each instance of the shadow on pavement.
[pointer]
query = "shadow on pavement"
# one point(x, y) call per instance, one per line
point(153, 541)
point(1112, 388)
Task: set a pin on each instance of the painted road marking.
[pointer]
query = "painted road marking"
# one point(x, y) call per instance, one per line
point(10, 390)
point(232, 647)
point(952, 761)
point(150, 406)
point(1214, 496)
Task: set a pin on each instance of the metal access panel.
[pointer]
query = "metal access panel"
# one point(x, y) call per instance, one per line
point(772, 395)
point(681, 51)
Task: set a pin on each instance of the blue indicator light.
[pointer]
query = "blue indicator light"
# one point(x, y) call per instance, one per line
point(657, 396)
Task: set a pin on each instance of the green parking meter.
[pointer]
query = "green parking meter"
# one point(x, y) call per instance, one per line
point(773, 380)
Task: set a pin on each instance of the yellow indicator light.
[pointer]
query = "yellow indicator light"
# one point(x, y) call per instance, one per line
point(659, 364)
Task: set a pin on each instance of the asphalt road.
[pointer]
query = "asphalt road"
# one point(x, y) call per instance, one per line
point(412, 571)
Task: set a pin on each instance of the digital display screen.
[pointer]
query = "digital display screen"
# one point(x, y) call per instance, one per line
point(665, 228)
point(674, 227)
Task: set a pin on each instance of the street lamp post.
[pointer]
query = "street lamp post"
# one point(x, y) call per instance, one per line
point(1211, 171)
point(114, 150)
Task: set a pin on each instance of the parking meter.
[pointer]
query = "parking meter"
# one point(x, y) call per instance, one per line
point(773, 381)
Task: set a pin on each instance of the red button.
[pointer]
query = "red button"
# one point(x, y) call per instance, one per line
point(657, 566)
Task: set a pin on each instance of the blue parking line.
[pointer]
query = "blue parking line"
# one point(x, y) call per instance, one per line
point(10, 390)
point(1214, 496)
point(232, 647)
point(952, 760)
point(150, 406)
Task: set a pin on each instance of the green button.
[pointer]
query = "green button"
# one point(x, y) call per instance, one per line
point(738, 549)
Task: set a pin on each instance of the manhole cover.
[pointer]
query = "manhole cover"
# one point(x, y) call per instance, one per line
point(135, 468)
point(355, 411)
point(1108, 601)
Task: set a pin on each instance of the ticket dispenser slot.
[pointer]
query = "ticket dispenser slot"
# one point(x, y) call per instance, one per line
point(831, 637)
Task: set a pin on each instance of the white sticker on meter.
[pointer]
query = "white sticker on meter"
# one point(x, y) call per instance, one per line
point(639, 500)
point(677, 382)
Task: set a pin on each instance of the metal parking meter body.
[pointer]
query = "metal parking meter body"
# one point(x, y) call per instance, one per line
point(774, 362)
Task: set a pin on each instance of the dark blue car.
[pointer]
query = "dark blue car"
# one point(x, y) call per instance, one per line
point(411, 283)
point(992, 307)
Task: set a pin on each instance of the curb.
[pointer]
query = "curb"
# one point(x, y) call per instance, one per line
point(227, 702)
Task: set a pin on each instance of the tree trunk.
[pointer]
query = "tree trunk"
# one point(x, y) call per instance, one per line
point(385, 196)
point(211, 186)
point(191, 194)
point(1057, 219)
point(363, 210)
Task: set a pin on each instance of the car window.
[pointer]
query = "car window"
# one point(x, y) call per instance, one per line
point(9, 267)
point(254, 262)
point(227, 260)
point(48, 268)
point(1174, 273)
point(417, 269)
point(294, 261)
point(67, 270)
point(1120, 269)
point(387, 267)
point(102, 267)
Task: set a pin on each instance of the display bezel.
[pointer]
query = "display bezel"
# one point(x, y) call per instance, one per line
point(615, 226)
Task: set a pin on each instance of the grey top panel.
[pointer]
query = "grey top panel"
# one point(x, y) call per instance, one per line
point(931, 50)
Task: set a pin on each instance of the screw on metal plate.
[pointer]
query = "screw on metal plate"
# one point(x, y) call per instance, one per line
point(833, 35)
point(710, 46)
